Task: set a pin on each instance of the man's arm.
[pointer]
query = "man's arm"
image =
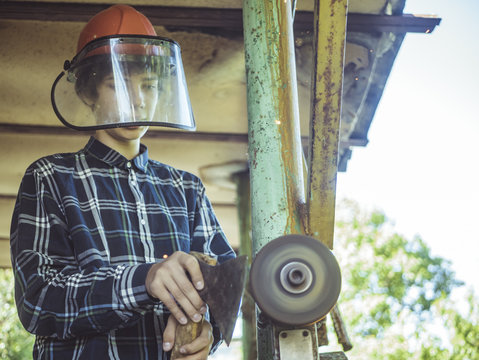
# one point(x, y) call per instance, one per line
point(54, 296)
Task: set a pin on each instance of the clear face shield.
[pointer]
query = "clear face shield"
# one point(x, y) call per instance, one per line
point(123, 81)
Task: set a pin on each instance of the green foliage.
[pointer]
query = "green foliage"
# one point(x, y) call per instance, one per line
point(466, 335)
point(396, 296)
point(15, 342)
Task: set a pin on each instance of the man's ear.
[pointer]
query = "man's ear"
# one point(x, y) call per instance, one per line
point(87, 99)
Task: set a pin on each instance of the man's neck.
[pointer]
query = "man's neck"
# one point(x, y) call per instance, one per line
point(128, 148)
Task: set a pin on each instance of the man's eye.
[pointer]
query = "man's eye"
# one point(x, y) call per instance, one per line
point(151, 86)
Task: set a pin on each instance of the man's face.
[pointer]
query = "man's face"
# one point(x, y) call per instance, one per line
point(127, 98)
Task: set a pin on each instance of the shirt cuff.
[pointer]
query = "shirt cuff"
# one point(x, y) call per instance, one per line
point(131, 288)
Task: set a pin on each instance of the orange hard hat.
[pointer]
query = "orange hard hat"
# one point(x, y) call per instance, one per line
point(121, 43)
point(116, 20)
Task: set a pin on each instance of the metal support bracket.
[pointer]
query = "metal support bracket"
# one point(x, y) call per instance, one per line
point(337, 355)
point(296, 344)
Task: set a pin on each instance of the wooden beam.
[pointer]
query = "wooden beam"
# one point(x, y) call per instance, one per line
point(208, 19)
point(10, 128)
point(7, 197)
point(389, 23)
point(158, 15)
point(15, 129)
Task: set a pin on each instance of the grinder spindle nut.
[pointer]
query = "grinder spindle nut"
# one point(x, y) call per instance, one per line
point(296, 277)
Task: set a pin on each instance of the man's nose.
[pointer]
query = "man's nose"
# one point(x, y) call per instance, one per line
point(137, 95)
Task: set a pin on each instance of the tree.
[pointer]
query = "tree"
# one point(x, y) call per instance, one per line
point(15, 342)
point(396, 294)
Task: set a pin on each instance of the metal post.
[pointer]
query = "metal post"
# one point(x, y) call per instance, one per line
point(248, 305)
point(326, 89)
point(277, 185)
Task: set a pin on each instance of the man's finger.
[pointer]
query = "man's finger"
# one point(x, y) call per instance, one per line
point(193, 267)
point(187, 295)
point(202, 343)
point(185, 302)
point(170, 303)
point(169, 333)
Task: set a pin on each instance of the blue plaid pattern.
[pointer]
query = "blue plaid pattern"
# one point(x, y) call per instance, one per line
point(86, 228)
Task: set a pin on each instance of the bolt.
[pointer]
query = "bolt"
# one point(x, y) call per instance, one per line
point(296, 277)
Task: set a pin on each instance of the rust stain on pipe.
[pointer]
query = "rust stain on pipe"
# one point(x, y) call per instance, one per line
point(330, 35)
point(281, 53)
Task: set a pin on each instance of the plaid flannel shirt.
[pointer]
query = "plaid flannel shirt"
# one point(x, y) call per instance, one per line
point(86, 228)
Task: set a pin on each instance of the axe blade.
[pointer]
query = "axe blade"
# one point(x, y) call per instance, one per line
point(224, 286)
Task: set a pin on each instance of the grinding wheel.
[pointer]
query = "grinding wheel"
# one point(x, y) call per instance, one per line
point(295, 280)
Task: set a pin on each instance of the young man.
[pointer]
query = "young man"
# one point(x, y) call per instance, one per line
point(100, 238)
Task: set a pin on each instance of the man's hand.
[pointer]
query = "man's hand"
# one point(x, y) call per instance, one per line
point(168, 281)
point(198, 349)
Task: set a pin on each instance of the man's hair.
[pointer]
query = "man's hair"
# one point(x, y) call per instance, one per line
point(93, 70)
point(89, 74)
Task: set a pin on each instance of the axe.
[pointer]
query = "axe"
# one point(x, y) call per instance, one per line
point(223, 290)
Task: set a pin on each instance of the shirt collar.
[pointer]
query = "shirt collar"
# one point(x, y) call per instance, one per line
point(114, 158)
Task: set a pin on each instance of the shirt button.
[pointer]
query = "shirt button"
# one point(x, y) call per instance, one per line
point(143, 222)
point(128, 164)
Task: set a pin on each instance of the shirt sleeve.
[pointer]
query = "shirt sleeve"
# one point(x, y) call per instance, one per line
point(54, 297)
point(209, 238)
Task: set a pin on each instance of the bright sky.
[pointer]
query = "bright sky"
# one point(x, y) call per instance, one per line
point(420, 166)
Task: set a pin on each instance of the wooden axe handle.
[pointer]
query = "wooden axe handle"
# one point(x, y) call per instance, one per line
point(185, 334)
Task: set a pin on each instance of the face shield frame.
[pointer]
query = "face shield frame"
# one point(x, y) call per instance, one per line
point(176, 111)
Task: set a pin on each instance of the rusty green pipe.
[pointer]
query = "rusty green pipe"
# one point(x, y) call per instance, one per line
point(326, 89)
point(277, 183)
